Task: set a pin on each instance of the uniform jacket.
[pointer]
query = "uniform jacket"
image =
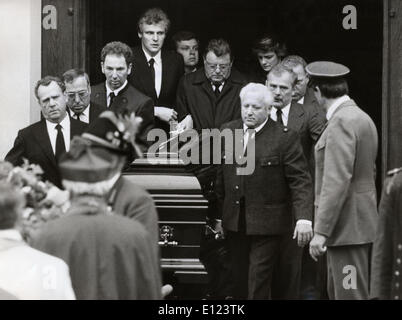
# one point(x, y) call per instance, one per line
point(33, 143)
point(110, 256)
point(277, 193)
point(195, 96)
point(24, 271)
point(387, 250)
point(346, 207)
point(128, 99)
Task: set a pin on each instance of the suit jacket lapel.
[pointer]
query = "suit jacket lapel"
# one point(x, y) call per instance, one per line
point(43, 140)
point(166, 71)
point(295, 119)
point(144, 71)
point(99, 94)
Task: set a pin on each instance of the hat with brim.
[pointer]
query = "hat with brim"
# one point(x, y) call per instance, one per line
point(89, 169)
point(327, 70)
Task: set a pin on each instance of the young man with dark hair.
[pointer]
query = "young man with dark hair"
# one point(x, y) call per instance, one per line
point(187, 44)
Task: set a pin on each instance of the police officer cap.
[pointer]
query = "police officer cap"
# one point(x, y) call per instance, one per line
point(326, 69)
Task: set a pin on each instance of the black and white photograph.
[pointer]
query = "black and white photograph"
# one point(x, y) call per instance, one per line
point(213, 151)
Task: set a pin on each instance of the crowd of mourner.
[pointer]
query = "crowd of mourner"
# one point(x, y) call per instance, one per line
point(303, 225)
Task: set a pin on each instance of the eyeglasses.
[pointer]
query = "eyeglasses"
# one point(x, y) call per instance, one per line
point(82, 95)
point(213, 67)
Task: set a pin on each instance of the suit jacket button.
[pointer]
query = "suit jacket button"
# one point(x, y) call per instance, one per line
point(237, 202)
point(398, 261)
point(237, 187)
point(397, 273)
point(396, 284)
point(399, 247)
point(396, 297)
point(269, 163)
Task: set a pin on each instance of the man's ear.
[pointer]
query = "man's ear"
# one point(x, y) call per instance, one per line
point(130, 66)
point(139, 34)
point(102, 67)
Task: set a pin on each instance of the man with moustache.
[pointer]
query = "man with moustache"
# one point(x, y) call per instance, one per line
point(187, 44)
point(45, 141)
point(281, 82)
point(78, 92)
point(261, 211)
point(116, 93)
point(157, 71)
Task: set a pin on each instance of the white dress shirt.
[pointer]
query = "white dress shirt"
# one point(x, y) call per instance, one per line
point(335, 105)
point(84, 115)
point(301, 100)
point(29, 274)
point(285, 114)
point(158, 70)
point(52, 131)
point(116, 92)
point(220, 87)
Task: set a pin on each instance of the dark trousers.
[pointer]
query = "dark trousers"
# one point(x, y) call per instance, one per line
point(264, 266)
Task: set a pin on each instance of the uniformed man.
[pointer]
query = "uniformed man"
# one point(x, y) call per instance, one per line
point(345, 192)
point(387, 250)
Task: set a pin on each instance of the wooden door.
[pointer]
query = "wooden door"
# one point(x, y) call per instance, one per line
point(64, 27)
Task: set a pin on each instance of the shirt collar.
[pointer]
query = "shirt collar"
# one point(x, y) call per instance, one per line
point(65, 123)
point(116, 92)
point(10, 234)
point(285, 110)
point(301, 100)
point(335, 105)
point(245, 128)
point(157, 57)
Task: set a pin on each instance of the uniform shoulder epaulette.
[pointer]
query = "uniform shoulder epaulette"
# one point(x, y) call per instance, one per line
point(391, 174)
point(393, 171)
point(285, 129)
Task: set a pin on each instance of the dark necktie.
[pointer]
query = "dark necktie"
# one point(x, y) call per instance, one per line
point(151, 67)
point(111, 96)
point(217, 86)
point(279, 116)
point(60, 145)
point(77, 116)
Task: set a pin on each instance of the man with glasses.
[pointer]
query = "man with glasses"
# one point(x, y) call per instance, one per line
point(206, 99)
point(209, 97)
point(45, 141)
point(78, 92)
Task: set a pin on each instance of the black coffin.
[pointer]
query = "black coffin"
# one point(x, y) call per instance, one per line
point(182, 210)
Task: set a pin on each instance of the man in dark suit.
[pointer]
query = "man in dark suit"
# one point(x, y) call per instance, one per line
point(302, 93)
point(45, 141)
point(116, 93)
point(157, 71)
point(209, 97)
point(261, 211)
point(306, 117)
point(78, 92)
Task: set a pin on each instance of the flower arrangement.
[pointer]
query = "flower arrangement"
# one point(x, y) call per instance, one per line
point(44, 201)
